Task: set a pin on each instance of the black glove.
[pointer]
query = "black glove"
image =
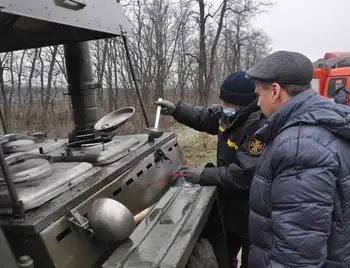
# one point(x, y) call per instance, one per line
point(168, 108)
point(191, 174)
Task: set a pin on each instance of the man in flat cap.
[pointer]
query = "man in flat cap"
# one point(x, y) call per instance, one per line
point(235, 123)
point(300, 194)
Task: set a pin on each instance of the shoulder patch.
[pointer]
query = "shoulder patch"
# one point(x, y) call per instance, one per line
point(255, 147)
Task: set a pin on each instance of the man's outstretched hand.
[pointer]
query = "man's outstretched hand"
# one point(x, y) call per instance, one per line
point(168, 108)
point(191, 174)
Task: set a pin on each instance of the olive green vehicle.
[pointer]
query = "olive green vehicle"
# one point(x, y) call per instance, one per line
point(74, 203)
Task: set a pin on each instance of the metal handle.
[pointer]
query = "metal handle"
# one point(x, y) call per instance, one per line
point(80, 222)
point(13, 137)
point(72, 4)
point(156, 123)
point(13, 158)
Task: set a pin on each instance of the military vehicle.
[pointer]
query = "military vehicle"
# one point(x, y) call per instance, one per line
point(73, 203)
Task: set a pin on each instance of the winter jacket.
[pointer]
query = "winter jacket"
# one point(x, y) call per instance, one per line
point(300, 194)
point(236, 162)
point(341, 96)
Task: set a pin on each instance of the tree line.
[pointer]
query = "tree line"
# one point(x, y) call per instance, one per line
point(181, 50)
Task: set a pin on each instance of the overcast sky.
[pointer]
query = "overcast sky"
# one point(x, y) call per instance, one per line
point(311, 27)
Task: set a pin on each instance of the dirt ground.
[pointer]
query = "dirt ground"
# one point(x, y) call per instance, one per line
point(198, 148)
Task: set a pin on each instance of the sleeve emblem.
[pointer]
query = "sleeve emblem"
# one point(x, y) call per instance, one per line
point(255, 147)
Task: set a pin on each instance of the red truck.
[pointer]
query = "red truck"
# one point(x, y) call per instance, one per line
point(334, 66)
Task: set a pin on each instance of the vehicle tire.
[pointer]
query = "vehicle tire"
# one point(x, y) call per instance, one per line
point(202, 256)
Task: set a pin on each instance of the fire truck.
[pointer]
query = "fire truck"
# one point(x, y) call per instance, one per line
point(332, 67)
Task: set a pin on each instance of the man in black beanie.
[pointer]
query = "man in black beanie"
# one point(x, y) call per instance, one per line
point(235, 123)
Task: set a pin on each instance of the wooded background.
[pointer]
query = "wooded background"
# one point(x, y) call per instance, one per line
point(181, 50)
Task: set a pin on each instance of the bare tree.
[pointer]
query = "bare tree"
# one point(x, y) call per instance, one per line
point(238, 29)
point(6, 109)
point(180, 50)
point(30, 81)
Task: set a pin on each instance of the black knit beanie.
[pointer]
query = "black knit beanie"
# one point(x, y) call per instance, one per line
point(238, 89)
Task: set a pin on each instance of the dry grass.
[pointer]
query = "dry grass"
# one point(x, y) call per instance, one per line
point(198, 148)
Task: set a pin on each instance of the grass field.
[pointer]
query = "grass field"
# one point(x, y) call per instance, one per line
point(198, 148)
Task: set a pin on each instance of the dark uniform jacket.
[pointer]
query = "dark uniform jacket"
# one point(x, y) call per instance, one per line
point(300, 195)
point(237, 156)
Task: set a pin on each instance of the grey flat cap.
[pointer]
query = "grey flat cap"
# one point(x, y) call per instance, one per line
point(283, 67)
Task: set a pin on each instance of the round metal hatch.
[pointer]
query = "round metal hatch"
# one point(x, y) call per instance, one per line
point(113, 120)
point(20, 145)
point(28, 170)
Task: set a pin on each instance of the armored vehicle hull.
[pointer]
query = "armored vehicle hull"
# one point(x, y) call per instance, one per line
point(137, 180)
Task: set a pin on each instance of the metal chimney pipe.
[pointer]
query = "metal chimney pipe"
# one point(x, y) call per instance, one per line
point(82, 89)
